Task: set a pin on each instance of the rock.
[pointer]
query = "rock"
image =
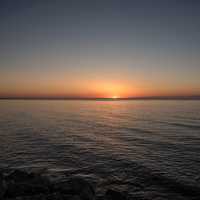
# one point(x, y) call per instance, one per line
point(114, 195)
point(20, 183)
point(2, 186)
point(75, 197)
point(58, 196)
point(24, 189)
point(100, 197)
point(19, 176)
point(40, 197)
point(54, 196)
point(77, 186)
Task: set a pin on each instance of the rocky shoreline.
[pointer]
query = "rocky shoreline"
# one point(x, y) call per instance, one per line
point(42, 184)
point(22, 185)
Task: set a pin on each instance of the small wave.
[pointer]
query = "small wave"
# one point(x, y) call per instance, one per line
point(186, 125)
point(139, 130)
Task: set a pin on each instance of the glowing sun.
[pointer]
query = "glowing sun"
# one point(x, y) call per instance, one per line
point(115, 97)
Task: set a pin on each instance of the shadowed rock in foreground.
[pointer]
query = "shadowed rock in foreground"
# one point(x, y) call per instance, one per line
point(18, 184)
point(21, 185)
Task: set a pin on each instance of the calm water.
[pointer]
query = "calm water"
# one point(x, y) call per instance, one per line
point(121, 141)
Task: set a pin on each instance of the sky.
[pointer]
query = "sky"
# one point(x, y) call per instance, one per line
point(99, 48)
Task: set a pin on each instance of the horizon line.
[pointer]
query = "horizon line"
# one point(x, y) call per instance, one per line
point(196, 97)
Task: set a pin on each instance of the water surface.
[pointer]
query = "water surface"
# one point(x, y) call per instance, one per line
point(124, 141)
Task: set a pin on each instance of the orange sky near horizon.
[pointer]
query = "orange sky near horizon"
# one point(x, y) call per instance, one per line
point(98, 49)
point(90, 89)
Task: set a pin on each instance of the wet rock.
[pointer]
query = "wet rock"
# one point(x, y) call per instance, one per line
point(75, 197)
point(24, 189)
point(40, 197)
point(77, 186)
point(54, 196)
point(19, 176)
point(100, 197)
point(114, 195)
point(2, 186)
point(20, 183)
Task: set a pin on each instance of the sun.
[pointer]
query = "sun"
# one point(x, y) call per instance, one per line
point(115, 97)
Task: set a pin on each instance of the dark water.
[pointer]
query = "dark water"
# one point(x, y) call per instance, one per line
point(149, 148)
